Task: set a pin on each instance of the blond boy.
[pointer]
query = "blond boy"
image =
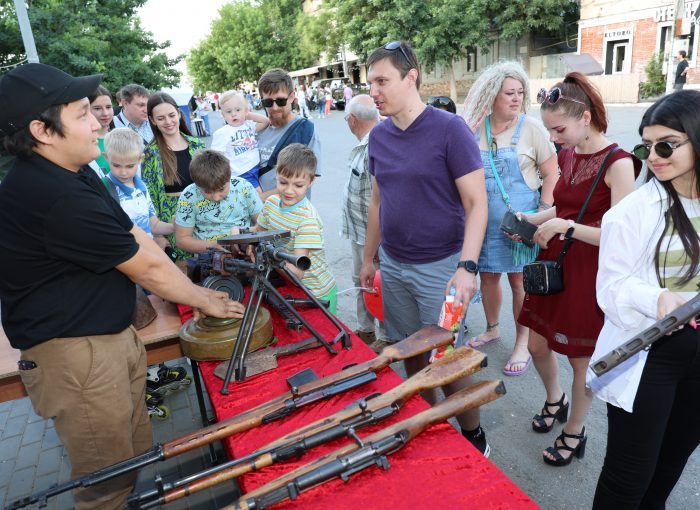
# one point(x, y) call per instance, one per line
point(291, 210)
point(237, 139)
point(124, 152)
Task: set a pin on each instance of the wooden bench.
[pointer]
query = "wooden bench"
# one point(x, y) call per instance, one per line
point(161, 338)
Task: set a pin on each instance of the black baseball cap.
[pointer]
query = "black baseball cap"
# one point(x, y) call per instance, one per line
point(28, 90)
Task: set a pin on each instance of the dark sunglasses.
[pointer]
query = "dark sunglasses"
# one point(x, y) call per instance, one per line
point(494, 146)
point(280, 101)
point(554, 95)
point(663, 149)
point(396, 45)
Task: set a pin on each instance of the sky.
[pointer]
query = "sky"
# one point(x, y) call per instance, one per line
point(183, 22)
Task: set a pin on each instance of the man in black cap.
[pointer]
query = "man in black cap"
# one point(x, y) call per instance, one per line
point(69, 259)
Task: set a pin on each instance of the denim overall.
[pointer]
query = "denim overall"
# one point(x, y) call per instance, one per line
point(498, 253)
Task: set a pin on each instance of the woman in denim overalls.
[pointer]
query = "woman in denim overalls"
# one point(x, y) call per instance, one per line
point(495, 110)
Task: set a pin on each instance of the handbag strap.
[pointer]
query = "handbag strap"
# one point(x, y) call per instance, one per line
point(570, 231)
point(505, 196)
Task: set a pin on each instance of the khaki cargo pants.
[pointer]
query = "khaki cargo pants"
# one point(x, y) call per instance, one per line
point(93, 389)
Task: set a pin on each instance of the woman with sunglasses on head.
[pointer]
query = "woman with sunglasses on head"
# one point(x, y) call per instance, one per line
point(166, 165)
point(518, 159)
point(569, 321)
point(649, 266)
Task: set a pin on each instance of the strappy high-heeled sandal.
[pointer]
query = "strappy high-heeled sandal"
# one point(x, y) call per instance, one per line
point(579, 450)
point(539, 424)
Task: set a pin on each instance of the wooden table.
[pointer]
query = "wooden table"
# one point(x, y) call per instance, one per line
point(161, 338)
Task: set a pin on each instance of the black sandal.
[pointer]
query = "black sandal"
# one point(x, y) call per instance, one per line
point(562, 414)
point(579, 450)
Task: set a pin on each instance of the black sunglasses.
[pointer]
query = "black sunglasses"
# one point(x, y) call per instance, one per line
point(280, 101)
point(396, 45)
point(554, 95)
point(440, 101)
point(663, 149)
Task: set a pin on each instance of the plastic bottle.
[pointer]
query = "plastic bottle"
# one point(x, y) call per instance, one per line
point(449, 319)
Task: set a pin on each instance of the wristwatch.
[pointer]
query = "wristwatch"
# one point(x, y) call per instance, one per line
point(469, 265)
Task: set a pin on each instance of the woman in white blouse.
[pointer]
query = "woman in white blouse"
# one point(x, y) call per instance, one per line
point(649, 266)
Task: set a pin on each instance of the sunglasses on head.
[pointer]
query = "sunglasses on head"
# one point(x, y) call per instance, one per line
point(440, 101)
point(662, 149)
point(396, 45)
point(554, 95)
point(280, 101)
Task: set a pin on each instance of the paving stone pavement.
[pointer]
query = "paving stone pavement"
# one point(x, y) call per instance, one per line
point(32, 457)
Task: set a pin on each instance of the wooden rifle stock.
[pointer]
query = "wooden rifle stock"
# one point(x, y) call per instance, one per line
point(455, 365)
point(420, 342)
point(643, 340)
point(476, 395)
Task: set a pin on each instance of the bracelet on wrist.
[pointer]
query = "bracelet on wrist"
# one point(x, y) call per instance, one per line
point(544, 205)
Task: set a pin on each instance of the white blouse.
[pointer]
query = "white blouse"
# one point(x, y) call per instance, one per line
point(627, 288)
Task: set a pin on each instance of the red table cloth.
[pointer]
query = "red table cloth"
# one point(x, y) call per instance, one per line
point(438, 469)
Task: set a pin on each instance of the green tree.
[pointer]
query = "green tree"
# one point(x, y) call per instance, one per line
point(90, 36)
point(443, 30)
point(246, 40)
point(656, 81)
point(367, 24)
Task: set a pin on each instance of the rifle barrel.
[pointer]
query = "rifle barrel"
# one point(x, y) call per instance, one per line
point(646, 338)
point(289, 484)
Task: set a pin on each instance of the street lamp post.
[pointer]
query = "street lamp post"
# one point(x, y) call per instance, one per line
point(26, 29)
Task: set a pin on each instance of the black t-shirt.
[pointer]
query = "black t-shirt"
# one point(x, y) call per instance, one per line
point(183, 159)
point(679, 69)
point(61, 235)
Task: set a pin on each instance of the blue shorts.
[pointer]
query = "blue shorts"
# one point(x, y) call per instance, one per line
point(252, 176)
point(412, 294)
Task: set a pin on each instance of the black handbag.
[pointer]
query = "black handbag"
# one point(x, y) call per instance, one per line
point(545, 277)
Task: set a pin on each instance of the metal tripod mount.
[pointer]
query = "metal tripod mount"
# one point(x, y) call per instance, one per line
point(267, 258)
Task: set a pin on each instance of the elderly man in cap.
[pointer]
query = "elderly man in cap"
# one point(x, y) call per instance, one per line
point(69, 259)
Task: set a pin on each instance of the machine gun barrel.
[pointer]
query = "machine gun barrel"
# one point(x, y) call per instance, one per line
point(643, 340)
point(278, 255)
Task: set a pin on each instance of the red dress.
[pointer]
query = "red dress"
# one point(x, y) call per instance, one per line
point(571, 320)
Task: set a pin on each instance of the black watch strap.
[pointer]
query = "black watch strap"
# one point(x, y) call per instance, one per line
point(469, 265)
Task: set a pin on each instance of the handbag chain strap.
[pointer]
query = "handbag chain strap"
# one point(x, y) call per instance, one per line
point(570, 232)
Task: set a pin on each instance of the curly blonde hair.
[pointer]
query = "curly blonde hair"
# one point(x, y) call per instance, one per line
point(482, 95)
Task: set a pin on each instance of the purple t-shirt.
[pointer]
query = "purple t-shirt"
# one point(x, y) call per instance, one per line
point(421, 215)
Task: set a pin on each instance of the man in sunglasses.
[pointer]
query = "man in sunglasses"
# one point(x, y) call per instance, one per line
point(427, 173)
point(277, 93)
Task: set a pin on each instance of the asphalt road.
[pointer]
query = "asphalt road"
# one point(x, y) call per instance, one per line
point(516, 449)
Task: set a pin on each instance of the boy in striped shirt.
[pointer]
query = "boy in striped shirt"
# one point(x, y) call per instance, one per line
point(291, 210)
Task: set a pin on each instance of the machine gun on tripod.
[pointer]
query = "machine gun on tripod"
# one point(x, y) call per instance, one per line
point(267, 257)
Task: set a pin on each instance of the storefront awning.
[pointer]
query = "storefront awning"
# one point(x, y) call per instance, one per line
point(583, 63)
point(304, 72)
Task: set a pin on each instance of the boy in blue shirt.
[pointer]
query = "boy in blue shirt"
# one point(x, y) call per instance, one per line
point(124, 152)
point(216, 205)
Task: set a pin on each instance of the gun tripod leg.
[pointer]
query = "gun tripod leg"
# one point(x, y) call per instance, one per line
point(240, 370)
point(255, 289)
point(342, 335)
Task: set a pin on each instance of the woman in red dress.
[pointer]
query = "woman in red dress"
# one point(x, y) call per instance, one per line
point(569, 322)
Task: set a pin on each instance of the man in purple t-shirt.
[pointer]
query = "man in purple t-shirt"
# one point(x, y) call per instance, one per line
point(428, 207)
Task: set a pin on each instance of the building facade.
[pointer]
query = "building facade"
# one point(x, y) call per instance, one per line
point(623, 35)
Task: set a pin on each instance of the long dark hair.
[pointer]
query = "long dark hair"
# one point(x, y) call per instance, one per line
point(679, 111)
point(167, 156)
point(577, 86)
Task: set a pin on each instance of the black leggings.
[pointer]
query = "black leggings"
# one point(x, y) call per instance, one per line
point(648, 448)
